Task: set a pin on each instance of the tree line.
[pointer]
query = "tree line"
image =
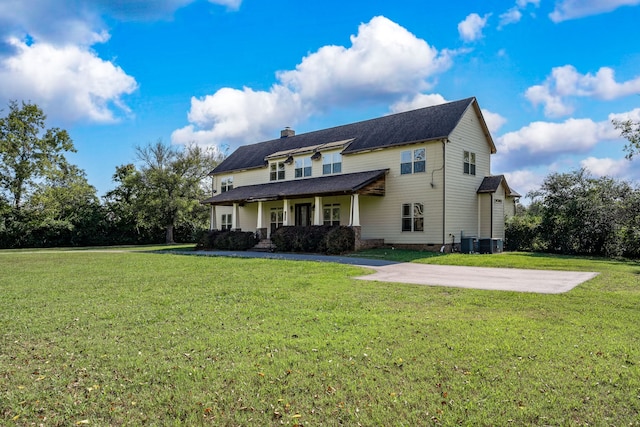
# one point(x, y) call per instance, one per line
point(575, 213)
point(45, 201)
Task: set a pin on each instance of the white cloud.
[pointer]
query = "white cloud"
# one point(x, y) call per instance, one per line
point(385, 62)
point(572, 9)
point(565, 82)
point(633, 115)
point(494, 120)
point(471, 28)
point(523, 181)
point(606, 166)
point(523, 3)
point(230, 115)
point(69, 83)
point(570, 136)
point(420, 100)
point(51, 21)
point(46, 55)
point(81, 23)
point(511, 16)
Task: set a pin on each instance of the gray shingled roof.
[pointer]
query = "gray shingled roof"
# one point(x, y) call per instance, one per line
point(490, 184)
point(323, 186)
point(425, 124)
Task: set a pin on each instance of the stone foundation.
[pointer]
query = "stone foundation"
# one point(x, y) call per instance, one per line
point(430, 247)
point(361, 243)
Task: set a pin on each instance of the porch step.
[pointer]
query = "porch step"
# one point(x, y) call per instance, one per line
point(264, 245)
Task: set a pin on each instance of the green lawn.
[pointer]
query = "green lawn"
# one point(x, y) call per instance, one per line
point(139, 338)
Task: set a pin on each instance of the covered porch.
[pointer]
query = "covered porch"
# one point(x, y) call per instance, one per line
point(262, 208)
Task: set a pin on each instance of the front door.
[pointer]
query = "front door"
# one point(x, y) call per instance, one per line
point(303, 214)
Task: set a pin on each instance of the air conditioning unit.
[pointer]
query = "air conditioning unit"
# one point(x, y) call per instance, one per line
point(490, 246)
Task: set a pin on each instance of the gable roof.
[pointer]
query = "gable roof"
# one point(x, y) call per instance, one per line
point(371, 181)
point(425, 124)
point(490, 184)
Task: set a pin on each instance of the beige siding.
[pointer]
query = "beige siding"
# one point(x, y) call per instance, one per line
point(498, 201)
point(381, 217)
point(509, 207)
point(461, 189)
point(485, 216)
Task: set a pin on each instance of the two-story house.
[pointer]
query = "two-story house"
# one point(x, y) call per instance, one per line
point(417, 179)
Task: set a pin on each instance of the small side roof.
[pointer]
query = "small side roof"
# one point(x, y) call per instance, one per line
point(490, 184)
point(424, 124)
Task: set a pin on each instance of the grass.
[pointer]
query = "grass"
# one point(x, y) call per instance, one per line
point(140, 338)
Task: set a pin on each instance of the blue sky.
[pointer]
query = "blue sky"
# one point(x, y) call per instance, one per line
point(549, 74)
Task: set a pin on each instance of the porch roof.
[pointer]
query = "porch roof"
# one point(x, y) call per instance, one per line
point(491, 183)
point(369, 183)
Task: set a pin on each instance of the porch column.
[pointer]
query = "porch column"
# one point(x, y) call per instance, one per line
point(285, 213)
point(234, 217)
point(212, 217)
point(317, 212)
point(355, 211)
point(259, 224)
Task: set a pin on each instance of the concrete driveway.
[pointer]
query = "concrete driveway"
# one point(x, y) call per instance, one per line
point(497, 279)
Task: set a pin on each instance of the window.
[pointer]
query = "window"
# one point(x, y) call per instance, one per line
point(303, 167)
point(469, 163)
point(276, 171)
point(331, 214)
point(413, 161)
point(276, 218)
point(331, 163)
point(226, 184)
point(413, 217)
point(226, 222)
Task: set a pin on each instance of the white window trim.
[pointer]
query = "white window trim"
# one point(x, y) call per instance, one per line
point(226, 184)
point(332, 159)
point(278, 171)
point(412, 217)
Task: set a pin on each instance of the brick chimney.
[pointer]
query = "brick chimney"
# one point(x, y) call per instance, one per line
point(287, 132)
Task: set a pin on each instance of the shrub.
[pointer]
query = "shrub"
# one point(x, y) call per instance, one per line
point(340, 240)
point(227, 240)
point(316, 239)
point(522, 233)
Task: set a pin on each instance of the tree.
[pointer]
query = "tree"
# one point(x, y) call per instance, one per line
point(581, 214)
point(167, 188)
point(631, 131)
point(65, 210)
point(28, 151)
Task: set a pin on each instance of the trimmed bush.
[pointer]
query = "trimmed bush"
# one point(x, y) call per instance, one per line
point(227, 240)
point(340, 240)
point(316, 239)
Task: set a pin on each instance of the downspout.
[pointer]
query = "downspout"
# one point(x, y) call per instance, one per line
point(444, 204)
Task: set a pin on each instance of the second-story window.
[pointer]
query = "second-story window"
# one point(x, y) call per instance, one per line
point(469, 163)
point(226, 184)
point(303, 167)
point(331, 163)
point(413, 161)
point(276, 171)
